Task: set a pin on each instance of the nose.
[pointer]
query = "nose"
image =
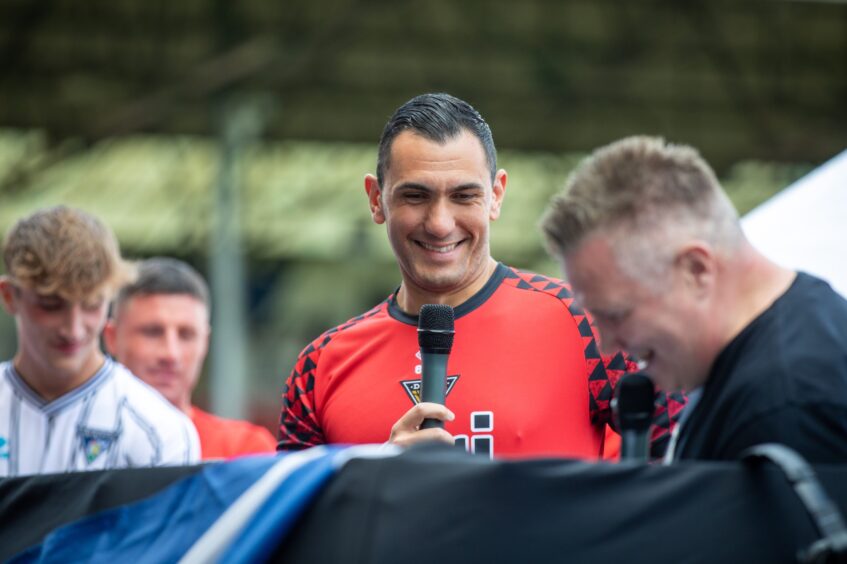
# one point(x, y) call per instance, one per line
point(439, 219)
point(610, 342)
point(169, 351)
point(74, 328)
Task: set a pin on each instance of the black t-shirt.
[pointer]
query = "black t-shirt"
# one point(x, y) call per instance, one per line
point(782, 379)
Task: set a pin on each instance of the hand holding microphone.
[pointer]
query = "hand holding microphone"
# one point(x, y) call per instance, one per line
point(425, 421)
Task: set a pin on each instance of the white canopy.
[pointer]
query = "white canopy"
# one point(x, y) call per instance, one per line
point(804, 227)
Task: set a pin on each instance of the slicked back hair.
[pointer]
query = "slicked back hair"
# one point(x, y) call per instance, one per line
point(437, 117)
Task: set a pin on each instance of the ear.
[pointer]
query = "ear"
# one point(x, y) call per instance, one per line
point(206, 340)
point(498, 192)
point(374, 198)
point(109, 338)
point(7, 293)
point(697, 264)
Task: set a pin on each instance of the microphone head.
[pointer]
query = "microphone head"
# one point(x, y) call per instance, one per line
point(633, 403)
point(435, 328)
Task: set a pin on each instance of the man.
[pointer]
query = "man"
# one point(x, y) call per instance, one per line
point(160, 330)
point(525, 377)
point(64, 406)
point(654, 250)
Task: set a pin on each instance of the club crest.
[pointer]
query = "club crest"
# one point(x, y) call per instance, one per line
point(95, 443)
point(413, 388)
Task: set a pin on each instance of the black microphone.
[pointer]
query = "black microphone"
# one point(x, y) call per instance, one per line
point(435, 337)
point(633, 408)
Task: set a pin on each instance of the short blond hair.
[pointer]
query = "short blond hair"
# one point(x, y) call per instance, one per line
point(64, 251)
point(645, 194)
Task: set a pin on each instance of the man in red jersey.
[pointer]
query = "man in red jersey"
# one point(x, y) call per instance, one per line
point(524, 377)
point(160, 330)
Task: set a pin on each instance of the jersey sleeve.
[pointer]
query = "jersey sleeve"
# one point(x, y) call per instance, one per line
point(665, 418)
point(298, 424)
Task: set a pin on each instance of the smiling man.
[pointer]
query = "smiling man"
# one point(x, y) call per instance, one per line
point(64, 406)
point(525, 377)
point(654, 251)
point(160, 330)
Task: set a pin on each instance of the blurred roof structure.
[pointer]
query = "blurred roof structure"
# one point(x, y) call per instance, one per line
point(739, 79)
point(298, 199)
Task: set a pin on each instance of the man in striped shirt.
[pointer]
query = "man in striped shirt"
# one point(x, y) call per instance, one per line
point(64, 406)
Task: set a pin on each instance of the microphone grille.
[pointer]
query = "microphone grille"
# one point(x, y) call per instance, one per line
point(435, 327)
point(633, 403)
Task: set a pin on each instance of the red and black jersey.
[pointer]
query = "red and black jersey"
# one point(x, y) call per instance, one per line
point(525, 376)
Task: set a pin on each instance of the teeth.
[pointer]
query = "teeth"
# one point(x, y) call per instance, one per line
point(442, 249)
point(643, 360)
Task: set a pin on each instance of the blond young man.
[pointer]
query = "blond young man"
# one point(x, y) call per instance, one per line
point(654, 250)
point(65, 406)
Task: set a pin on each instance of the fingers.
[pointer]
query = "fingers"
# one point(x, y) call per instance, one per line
point(407, 430)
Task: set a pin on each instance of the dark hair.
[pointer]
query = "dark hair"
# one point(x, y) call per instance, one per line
point(163, 275)
point(437, 117)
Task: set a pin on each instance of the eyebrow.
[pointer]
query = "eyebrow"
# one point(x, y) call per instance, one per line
point(424, 187)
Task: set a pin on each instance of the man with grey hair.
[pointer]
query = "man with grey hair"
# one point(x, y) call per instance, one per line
point(654, 250)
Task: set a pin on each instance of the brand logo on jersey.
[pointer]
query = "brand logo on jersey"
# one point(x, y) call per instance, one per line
point(96, 442)
point(413, 388)
point(4, 448)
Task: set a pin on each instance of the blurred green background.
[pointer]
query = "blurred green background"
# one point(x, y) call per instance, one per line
point(236, 135)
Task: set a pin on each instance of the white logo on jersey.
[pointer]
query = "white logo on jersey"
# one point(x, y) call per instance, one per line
point(481, 422)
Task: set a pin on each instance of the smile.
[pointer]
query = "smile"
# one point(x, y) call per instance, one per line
point(438, 249)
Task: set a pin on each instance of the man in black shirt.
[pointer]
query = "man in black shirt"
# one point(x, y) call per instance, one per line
point(654, 250)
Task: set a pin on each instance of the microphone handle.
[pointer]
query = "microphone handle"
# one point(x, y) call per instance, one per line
point(635, 445)
point(433, 381)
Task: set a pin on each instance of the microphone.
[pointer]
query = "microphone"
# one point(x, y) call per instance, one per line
point(633, 407)
point(435, 338)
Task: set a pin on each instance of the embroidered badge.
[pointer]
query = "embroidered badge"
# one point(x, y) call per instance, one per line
point(95, 442)
point(413, 388)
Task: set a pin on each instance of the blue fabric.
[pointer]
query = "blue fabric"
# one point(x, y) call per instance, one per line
point(159, 529)
point(275, 519)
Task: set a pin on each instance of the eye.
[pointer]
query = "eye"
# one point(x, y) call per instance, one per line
point(187, 334)
point(151, 330)
point(92, 306)
point(51, 305)
point(612, 317)
point(414, 196)
point(464, 197)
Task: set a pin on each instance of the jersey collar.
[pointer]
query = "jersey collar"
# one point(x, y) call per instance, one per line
point(463, 309)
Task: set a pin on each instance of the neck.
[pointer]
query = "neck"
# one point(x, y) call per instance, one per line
point(757, 284)
point(185, 407)
point(410, 299)
point(51, 383)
